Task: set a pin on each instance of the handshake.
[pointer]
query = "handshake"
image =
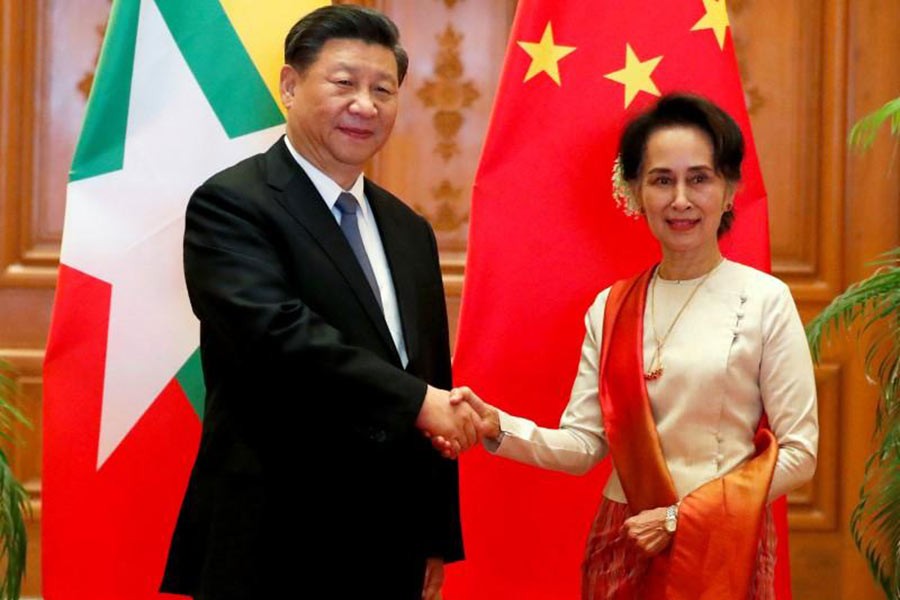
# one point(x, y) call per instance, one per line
point(455, 421)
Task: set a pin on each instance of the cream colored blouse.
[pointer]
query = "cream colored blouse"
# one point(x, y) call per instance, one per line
point(737, 349)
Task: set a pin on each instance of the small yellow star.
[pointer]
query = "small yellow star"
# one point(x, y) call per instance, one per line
point(716, 18)
point(636, 75)
point(545, 55)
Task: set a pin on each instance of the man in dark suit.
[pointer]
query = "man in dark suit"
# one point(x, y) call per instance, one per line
point(325, 350)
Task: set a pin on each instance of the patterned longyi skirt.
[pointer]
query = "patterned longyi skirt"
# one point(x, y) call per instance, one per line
point(612, 567)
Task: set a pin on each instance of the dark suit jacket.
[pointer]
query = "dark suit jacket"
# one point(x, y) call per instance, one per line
point(309, 435)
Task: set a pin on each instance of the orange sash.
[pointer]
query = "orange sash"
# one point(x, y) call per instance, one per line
point(713, 553)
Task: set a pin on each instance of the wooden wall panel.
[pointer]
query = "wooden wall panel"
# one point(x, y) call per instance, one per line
point(871, 226)
point(792, 58)
point(47, 53)
point(65, 72)
point(786, 46)
point(456, 53)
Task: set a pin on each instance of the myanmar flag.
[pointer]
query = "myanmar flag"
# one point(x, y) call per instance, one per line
point(546, 236)
point(182, 90)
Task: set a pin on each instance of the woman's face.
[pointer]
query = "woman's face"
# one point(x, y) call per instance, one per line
point(682, 195)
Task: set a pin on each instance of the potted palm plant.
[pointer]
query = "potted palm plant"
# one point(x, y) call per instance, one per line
point(14, 503)
point(871, 307)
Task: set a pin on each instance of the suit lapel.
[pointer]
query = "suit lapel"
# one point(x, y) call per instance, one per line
point(400, 257)
point(300, 198)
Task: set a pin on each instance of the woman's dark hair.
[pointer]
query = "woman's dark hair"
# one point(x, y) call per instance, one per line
point(305, 39)
point(689, 111)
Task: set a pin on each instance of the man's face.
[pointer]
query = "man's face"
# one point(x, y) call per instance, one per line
point(341, 109)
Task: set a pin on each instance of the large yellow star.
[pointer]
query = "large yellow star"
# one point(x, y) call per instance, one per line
point(716, 18)
point(636, 75)
point(545, 55)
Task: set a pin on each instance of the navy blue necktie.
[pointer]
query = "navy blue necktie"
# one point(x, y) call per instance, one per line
point(348, 206)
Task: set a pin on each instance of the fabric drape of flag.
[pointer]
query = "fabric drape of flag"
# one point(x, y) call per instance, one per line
point(546, 237)
point(182, 90)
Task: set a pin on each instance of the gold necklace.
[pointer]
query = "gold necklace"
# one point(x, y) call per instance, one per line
point(656, 367)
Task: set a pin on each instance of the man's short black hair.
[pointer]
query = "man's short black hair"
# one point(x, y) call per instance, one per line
point(305, 39)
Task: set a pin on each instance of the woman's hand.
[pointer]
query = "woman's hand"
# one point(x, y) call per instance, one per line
point(646, 531)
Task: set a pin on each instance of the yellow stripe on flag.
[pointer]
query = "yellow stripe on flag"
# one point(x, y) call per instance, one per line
point(262, 28)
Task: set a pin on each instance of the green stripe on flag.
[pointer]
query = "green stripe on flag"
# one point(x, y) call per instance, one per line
point(190, 377)
point(219, 61)
point(101, 145)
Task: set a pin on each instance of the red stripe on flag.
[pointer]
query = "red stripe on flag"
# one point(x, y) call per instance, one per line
point(106, 532)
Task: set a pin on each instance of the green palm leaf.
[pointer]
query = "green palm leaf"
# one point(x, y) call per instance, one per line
point(872, 307)
point(14, 502)
point(863, 133)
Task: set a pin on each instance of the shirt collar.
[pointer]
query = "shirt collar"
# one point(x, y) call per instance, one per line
point(326, 186)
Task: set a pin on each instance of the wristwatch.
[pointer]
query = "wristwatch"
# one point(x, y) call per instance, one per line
point(671, 522)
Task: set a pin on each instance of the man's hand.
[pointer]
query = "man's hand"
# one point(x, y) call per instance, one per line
point(646, 531)
point(489, 415)
point(452, 428)
point(434, 579)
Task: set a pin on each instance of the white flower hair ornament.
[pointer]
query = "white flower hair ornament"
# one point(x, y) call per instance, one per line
point(623, 193)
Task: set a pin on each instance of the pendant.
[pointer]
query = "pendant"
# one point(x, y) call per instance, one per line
point(654, 374)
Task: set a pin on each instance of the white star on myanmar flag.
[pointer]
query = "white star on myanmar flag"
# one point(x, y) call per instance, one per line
point(126, 227)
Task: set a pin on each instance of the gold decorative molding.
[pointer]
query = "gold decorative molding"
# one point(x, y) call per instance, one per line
point(87, 81)
point(753, 96)
point(447, 93)
point(449, 212)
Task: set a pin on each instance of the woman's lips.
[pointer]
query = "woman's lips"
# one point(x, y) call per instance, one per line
point(682, 224)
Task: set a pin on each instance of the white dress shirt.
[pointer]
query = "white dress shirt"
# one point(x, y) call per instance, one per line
point(368, 229)
point(738, 349)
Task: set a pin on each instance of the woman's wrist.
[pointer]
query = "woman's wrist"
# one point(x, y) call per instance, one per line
point(493, 431)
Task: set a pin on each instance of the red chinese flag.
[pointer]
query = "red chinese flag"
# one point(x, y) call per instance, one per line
point(546, 236)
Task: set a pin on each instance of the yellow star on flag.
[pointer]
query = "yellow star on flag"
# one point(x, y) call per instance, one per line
point(636, 75)
point(716, 18)
point(545, 55)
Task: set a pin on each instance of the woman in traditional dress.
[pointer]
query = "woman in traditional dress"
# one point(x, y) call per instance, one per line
point(695, 376)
